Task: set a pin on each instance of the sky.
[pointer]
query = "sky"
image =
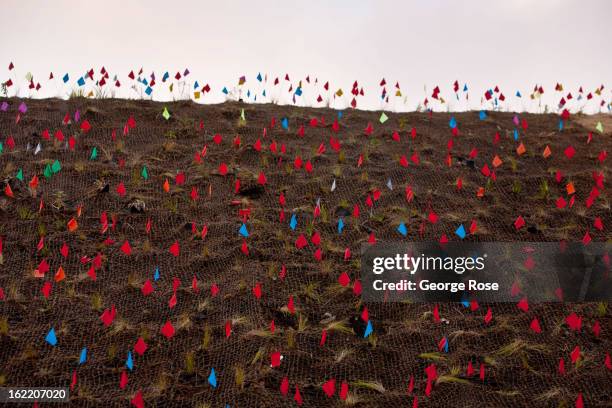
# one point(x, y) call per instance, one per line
point(512, 44)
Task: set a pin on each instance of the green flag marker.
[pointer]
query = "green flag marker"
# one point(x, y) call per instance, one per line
point(145, 173)
point(166, 114)
point(242, 115)
point(55, 167)
point(1, 147)
point(599, 128)
point(94, 154)
point(48, 172)
point(383, 117)
point(19, 175)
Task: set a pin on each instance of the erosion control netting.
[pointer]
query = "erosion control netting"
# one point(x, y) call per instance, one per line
point(521, 367)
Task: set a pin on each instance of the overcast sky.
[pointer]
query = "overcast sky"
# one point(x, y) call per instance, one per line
point(511, 43)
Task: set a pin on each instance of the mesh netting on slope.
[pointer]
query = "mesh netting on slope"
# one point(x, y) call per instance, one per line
point(521, 367)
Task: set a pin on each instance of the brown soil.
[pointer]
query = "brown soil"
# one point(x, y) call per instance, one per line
point(520, 365)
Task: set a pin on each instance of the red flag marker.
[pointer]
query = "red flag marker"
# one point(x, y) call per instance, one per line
point(168, 330)
point(123, 380)
point(291, 305)
point(329, 387)
point(284, 386)
point(175, 249)
point(535, 325)
point(126, 248)
point(297, 396)
point(138, 401)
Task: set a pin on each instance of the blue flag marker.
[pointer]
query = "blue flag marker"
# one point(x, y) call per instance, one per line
point(460, 231)
point(445, 345)
point(561, 125)
point(285, 123)
point(51, 339)
point(482, 115)
point(340, 115)
point(166, 76)
point(518, 94)
point(465, 88)
point(259, 78)
point(83, 357)
point(464, 301)
point(369, 329)
point(156, 274)
point(65, 78)
point(196, 85)
point(212, 378)
point(402, 229)
point(224, 90)
point(144, 81)
point(243, 231)
point(293, 222)
point(81, 81)
point(264, 93)
point(452, 123)
point(149, 90)
point(298, 91)
point(340, 225)
point(516, 134)
point(129, 363)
